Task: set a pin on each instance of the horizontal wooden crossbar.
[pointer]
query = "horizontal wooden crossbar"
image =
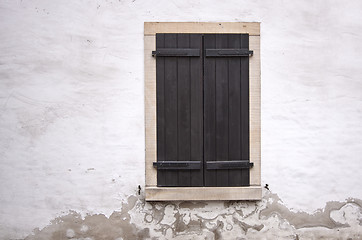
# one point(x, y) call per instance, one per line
point(237, 164)
point(176, 52)
point(228, 52)
point(177, 165)
point(210, 165)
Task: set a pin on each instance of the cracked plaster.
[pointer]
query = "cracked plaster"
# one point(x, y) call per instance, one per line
point(265, 219)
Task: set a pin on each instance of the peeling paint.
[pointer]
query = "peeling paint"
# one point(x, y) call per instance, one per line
point(265, 219)
point(72, 124)
point(321, 217)
point(96, 226)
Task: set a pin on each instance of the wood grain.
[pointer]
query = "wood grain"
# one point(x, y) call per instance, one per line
point(150, 110)
point(213, 193)
point(254, 108)
point(151, 28)
point(202, 193)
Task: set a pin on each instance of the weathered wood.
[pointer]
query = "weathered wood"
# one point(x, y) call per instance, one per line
point(222, 111)
point(150, 106)
point(203, 193)
point(150, 111)
point(226, 80)
point(234, 110)
point(177, 97)
point(171, 133)
point(183, 109)
point(254, 111)
point(228, 52)
point(177, 165)
point(197, 115)
point(230, 164)
point(209, 111)
point(160, 91)
point(176, 52)
point(244, 121)
point(151, 28)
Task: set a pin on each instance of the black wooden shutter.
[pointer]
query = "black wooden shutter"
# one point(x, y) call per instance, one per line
point(202, 109)
point(226, 110)
point(179, 110)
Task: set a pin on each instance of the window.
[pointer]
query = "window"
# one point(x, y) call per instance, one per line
point(202, 107)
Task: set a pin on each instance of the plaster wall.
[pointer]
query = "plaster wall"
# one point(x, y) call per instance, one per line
point(72, 121)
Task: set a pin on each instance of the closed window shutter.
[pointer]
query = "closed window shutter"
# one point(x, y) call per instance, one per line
point(226, 110)
point(202, 83)
point(179, 109)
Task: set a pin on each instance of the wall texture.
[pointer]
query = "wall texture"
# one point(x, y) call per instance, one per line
point(72, 122)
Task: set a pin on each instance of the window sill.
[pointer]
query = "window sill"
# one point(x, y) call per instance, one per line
point(203, 193)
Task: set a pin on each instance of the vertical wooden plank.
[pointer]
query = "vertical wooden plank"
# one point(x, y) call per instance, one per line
point(171, 135)
point(231, 110)
point(244, 65)
point(196, 83)
point(234, 41)
point(177, 95)
point(160, 101)
point(209, 112)
point(183, 110)
point(222, 110)
point(150, 111)
point(254, 111)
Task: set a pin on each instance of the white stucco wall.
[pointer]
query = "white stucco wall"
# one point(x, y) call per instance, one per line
point(72, 112)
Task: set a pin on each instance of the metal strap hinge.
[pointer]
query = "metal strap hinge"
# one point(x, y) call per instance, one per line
point(177, 165)
point(228, 52)
point(210, 165)
point(176, 52)
point(236, 164)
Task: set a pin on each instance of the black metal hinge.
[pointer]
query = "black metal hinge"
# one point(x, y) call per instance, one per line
point(228, 52)
point(177, 165)
point(237, 164)
point(176, 52)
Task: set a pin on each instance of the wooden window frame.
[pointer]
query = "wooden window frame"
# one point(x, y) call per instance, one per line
point(154, 193)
